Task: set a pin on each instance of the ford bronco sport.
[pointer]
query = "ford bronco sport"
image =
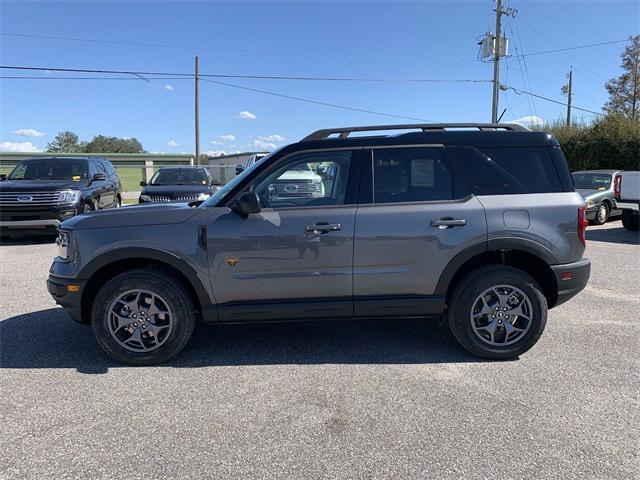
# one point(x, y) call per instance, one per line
point(479, 222)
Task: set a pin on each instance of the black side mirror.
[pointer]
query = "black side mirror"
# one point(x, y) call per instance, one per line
point(98, 177)
point(143, 183)
point(3, 177)
point(247, 204)
point(239, 169)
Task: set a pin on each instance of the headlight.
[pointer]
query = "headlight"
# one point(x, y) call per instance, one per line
point(203, 196)
point(145, 198)
point(590, 203)
point(65, 250)
point(69, 196)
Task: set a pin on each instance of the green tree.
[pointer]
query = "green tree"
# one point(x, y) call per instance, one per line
point(65, 142)
point(104, 144)
point(624, 91)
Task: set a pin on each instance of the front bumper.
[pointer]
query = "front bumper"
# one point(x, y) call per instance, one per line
point(569, 287)
point(58, 287)
point(36, 217)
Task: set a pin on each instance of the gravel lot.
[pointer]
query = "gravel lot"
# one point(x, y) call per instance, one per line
point(350, 399)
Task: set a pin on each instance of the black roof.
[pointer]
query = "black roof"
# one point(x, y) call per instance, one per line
point(481, 137)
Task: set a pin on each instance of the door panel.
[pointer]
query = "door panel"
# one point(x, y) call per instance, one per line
point(403, 244)
point(280, 265)
point(294, 259)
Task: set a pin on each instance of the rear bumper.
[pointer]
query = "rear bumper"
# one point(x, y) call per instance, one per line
point(71, 301)
point(569, 287)
point(628, 206)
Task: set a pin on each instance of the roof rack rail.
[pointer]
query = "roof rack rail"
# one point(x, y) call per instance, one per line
point(346, 131)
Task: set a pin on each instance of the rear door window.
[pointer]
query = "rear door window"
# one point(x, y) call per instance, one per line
point(502, 171)
point(411, 174)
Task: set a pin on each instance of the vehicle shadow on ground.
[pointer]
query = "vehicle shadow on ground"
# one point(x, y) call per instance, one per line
point(613, 235)
point(49, 339)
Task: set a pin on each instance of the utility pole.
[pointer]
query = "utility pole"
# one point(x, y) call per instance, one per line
point(496, 65)
point(197, 116)
point(569, 95)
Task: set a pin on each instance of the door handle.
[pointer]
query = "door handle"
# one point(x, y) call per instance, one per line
point(323, 227)
point(449, 223)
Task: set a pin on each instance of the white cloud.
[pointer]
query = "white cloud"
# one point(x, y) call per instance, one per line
point(215, 153)
point(215, 142)
point(528, 121)
point(227, 138)
point(173, 143)
point(262, 145)
point(28, 132)
point(272, 138)
point(247, 115)
point(168, 88)
point(18, 147)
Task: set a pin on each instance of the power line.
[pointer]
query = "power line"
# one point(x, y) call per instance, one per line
point(519, 91)
point(316, 102)
point(248, 77)
point(156, 45)
point(564, 28)
point(565, 49)
point(585, 66)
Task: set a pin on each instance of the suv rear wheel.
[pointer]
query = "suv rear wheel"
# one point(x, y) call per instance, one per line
point(143, 317)
point(497, 312)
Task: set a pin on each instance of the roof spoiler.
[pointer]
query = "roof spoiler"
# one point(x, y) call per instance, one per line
point(344, 132)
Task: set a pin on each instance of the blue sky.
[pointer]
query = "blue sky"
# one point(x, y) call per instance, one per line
point(399, 40)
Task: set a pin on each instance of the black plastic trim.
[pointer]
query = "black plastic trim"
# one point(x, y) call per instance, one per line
point(152, 254)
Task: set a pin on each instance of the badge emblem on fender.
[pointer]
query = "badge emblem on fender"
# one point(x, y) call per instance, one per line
point(232, 261)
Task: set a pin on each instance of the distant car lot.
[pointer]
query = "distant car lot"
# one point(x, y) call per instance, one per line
point(380, 399)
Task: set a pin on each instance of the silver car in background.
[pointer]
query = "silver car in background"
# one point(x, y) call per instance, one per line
point(597, 189)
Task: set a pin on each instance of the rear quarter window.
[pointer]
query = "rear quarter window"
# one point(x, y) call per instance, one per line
point(508, 170)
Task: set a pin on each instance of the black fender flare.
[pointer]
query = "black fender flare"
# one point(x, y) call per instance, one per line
point(495, 244)
point(138, 253)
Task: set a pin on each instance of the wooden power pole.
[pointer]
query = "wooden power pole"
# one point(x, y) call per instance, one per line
point(197, 116)
point(569, 95)
point(496, 65)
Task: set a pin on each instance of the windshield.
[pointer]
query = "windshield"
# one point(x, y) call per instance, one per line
point(222, 192)
point(51, 169)
point(591, 181)
point(179, 176)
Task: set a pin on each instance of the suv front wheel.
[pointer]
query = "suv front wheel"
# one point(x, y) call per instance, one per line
point(143, 317)
point(497, 312)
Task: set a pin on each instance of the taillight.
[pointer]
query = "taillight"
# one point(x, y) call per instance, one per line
point(582, 225)
point(617, 181)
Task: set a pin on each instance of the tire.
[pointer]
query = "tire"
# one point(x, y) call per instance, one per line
point(88, 207)
point(467, 297)
point(165, 333)
point(602, 215)
point(118, 203)
point(630, 221)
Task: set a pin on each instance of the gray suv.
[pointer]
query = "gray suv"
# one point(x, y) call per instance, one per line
point(477, 222)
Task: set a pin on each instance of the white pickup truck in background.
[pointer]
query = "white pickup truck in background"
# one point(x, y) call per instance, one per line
point(627, 193)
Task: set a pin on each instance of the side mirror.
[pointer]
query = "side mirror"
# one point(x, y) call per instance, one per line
point(247, 204)
point(97, 177)
point(3, 177)
point(239, 169)
point(143, 183)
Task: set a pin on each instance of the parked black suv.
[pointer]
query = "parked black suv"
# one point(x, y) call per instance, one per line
point(177, 184)
point(40, 193)
point(482, 226)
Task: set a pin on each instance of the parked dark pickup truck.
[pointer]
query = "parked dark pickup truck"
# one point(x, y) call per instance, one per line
point(41, 193)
